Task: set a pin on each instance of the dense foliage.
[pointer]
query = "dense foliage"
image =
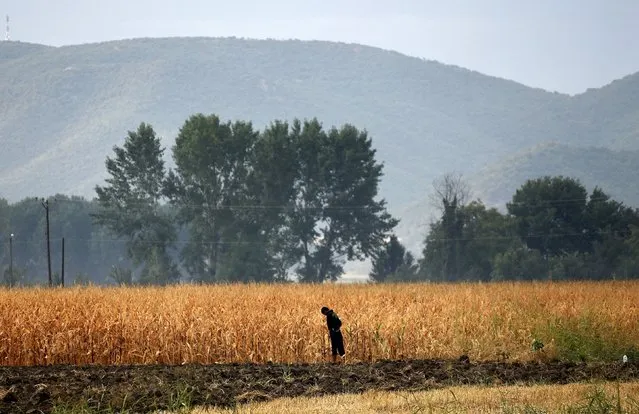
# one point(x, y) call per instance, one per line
point(289, 202)
point(552, 229)
point(296, 202)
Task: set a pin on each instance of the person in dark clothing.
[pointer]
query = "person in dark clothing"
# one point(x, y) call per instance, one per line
point(337, 340)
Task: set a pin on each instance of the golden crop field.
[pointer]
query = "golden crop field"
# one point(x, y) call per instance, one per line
point(283, 323)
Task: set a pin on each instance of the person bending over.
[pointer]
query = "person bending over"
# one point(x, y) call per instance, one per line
point(337, 340)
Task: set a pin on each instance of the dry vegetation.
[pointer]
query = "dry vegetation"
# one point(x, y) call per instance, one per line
point(571, 398)
point(258, 323)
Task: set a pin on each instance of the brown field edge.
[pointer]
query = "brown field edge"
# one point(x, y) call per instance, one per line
point(145, 388)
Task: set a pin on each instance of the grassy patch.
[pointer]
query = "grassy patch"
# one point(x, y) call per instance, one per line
point(180, 402)
point(566, 399)
point(598, 401)
point(585, 339)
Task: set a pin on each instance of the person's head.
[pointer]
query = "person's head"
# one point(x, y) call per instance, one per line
point(325, 310)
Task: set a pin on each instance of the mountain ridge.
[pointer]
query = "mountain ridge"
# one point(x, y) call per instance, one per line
point(64, 107)
point(421, 58)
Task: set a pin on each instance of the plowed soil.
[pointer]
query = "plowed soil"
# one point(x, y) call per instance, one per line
point(152, 387)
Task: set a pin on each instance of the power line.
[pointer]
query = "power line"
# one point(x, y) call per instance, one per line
point(294, 206)
point(561, 201)
point(213, 242)
point(283, 207)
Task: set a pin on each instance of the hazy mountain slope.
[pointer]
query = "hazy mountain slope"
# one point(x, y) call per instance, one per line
point(611, 114)
point(64, 108)
point(615, 172)
point(15, 50)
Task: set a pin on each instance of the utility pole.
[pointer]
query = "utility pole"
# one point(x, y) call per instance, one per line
point(11, 257)
point(62, 277)
point(45, 204)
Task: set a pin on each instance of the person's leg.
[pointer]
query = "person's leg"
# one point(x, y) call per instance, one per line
point(334, 345)
point(339, 344)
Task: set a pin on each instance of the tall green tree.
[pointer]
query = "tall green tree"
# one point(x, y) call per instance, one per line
point(393, 262)
point(550, 215)
point(481, 234)
point(485, 233)
point(442, 254)
point(519, 262)
point(609, 226)
point(209, 188)
point(336, 215)
point(270, 255)
point(130, 204)
point(579, 235)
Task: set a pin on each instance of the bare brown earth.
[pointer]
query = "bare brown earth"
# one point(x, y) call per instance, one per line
point(152, 387)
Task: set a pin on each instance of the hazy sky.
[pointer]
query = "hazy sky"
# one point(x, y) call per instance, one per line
point(562, 45)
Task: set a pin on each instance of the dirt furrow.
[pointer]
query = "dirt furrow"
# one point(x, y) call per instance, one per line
point(147, 388)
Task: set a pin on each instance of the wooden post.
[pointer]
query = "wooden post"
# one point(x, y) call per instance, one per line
point(62, 277)
point(45, 204)
point(11, 257)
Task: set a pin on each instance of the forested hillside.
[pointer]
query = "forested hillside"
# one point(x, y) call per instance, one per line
point(64, 108)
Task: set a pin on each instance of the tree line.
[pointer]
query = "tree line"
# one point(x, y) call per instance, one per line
point(291, 200)
point(552, 229)
point(91, 251)
point(295, 201)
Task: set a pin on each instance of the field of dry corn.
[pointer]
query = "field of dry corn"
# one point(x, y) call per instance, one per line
point(261, 323)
